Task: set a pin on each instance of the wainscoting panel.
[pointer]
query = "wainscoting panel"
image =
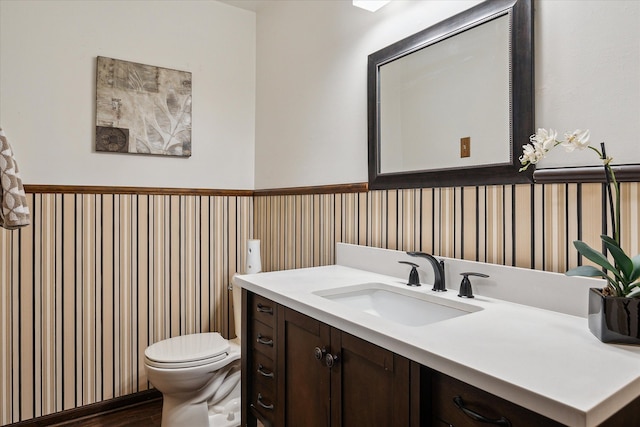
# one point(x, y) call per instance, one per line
point(529, 226)
point(97, 278)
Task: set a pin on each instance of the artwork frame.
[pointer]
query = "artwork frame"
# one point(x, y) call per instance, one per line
point(142, 109)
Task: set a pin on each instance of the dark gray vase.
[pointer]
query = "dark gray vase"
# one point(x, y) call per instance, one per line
point(614, 319)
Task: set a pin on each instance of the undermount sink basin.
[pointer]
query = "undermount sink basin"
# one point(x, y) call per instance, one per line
point(405, 307)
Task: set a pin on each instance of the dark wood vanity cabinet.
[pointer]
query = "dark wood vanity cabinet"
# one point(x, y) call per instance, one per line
point(298, 371)
point(323, 377)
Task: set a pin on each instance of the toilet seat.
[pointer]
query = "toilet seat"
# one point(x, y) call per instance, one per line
point(187, 351)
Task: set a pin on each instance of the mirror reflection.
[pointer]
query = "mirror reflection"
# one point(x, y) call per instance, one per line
point(468, 125)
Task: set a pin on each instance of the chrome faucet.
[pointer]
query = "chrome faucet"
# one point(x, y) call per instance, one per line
point(438, 270)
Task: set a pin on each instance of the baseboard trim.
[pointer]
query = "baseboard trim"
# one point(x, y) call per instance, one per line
point(92, 409)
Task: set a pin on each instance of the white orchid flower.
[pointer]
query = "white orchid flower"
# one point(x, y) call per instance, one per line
point(578, 139)
point(546, 139)
point(541, 142)
point(531, 154)
point(528, 154)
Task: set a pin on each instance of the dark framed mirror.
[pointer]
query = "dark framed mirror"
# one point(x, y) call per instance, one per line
point(453, 104)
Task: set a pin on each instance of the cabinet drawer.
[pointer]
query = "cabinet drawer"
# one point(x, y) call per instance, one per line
point(263, 369)
point(263, 404)
point(455, 403)
point(263, 339)
point(263, 310)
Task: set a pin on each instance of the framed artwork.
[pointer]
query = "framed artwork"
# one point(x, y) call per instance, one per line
point(142, 109)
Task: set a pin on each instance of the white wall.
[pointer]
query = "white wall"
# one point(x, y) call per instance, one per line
point(588, 75)
point(48, 51)
point(311, 126)
point(311, 102)
point(305, 115)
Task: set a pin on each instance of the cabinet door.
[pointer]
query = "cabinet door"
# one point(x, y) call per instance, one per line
point(370, 386)
point(305, 386)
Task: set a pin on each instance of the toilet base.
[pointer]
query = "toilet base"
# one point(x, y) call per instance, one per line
point(220, 409)
point(226, 416)
point(175, 413)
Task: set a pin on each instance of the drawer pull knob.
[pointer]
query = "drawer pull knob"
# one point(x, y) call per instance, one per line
point(264, 373)
point(261, 340)
point(502, 421)
point(269, 407)
point(264, 309)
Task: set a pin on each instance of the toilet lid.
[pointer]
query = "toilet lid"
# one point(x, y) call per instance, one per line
point(188, 348)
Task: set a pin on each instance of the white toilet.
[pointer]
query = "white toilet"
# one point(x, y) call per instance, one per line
point(198, 376)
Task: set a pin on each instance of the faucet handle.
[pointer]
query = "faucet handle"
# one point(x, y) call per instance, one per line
point(465, 285)
point(414, 278)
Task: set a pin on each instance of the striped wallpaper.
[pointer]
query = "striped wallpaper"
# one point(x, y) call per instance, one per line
point(97, 277)
point(524, 225)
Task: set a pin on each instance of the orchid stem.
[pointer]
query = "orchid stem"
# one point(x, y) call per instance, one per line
point(615, 219)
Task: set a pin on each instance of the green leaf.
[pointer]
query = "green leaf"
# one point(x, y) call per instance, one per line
point(635, 274)
point(596, 257)
point(634, 293)
point(622, 260)
point(591, 271)
point(634, 285)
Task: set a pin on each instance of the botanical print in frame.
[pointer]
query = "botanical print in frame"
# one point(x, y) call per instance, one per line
point(142, 109)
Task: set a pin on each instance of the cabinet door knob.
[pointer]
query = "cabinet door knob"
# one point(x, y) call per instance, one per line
point(330, 360)
point(502, 421)
point(319, 352)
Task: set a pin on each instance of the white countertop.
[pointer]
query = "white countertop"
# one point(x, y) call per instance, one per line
point(543, 360)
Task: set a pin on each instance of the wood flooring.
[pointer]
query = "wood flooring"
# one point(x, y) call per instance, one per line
point(142, 409)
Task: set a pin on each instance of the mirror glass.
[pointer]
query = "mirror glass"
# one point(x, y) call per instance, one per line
point(447, 104)
point(469, 74)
